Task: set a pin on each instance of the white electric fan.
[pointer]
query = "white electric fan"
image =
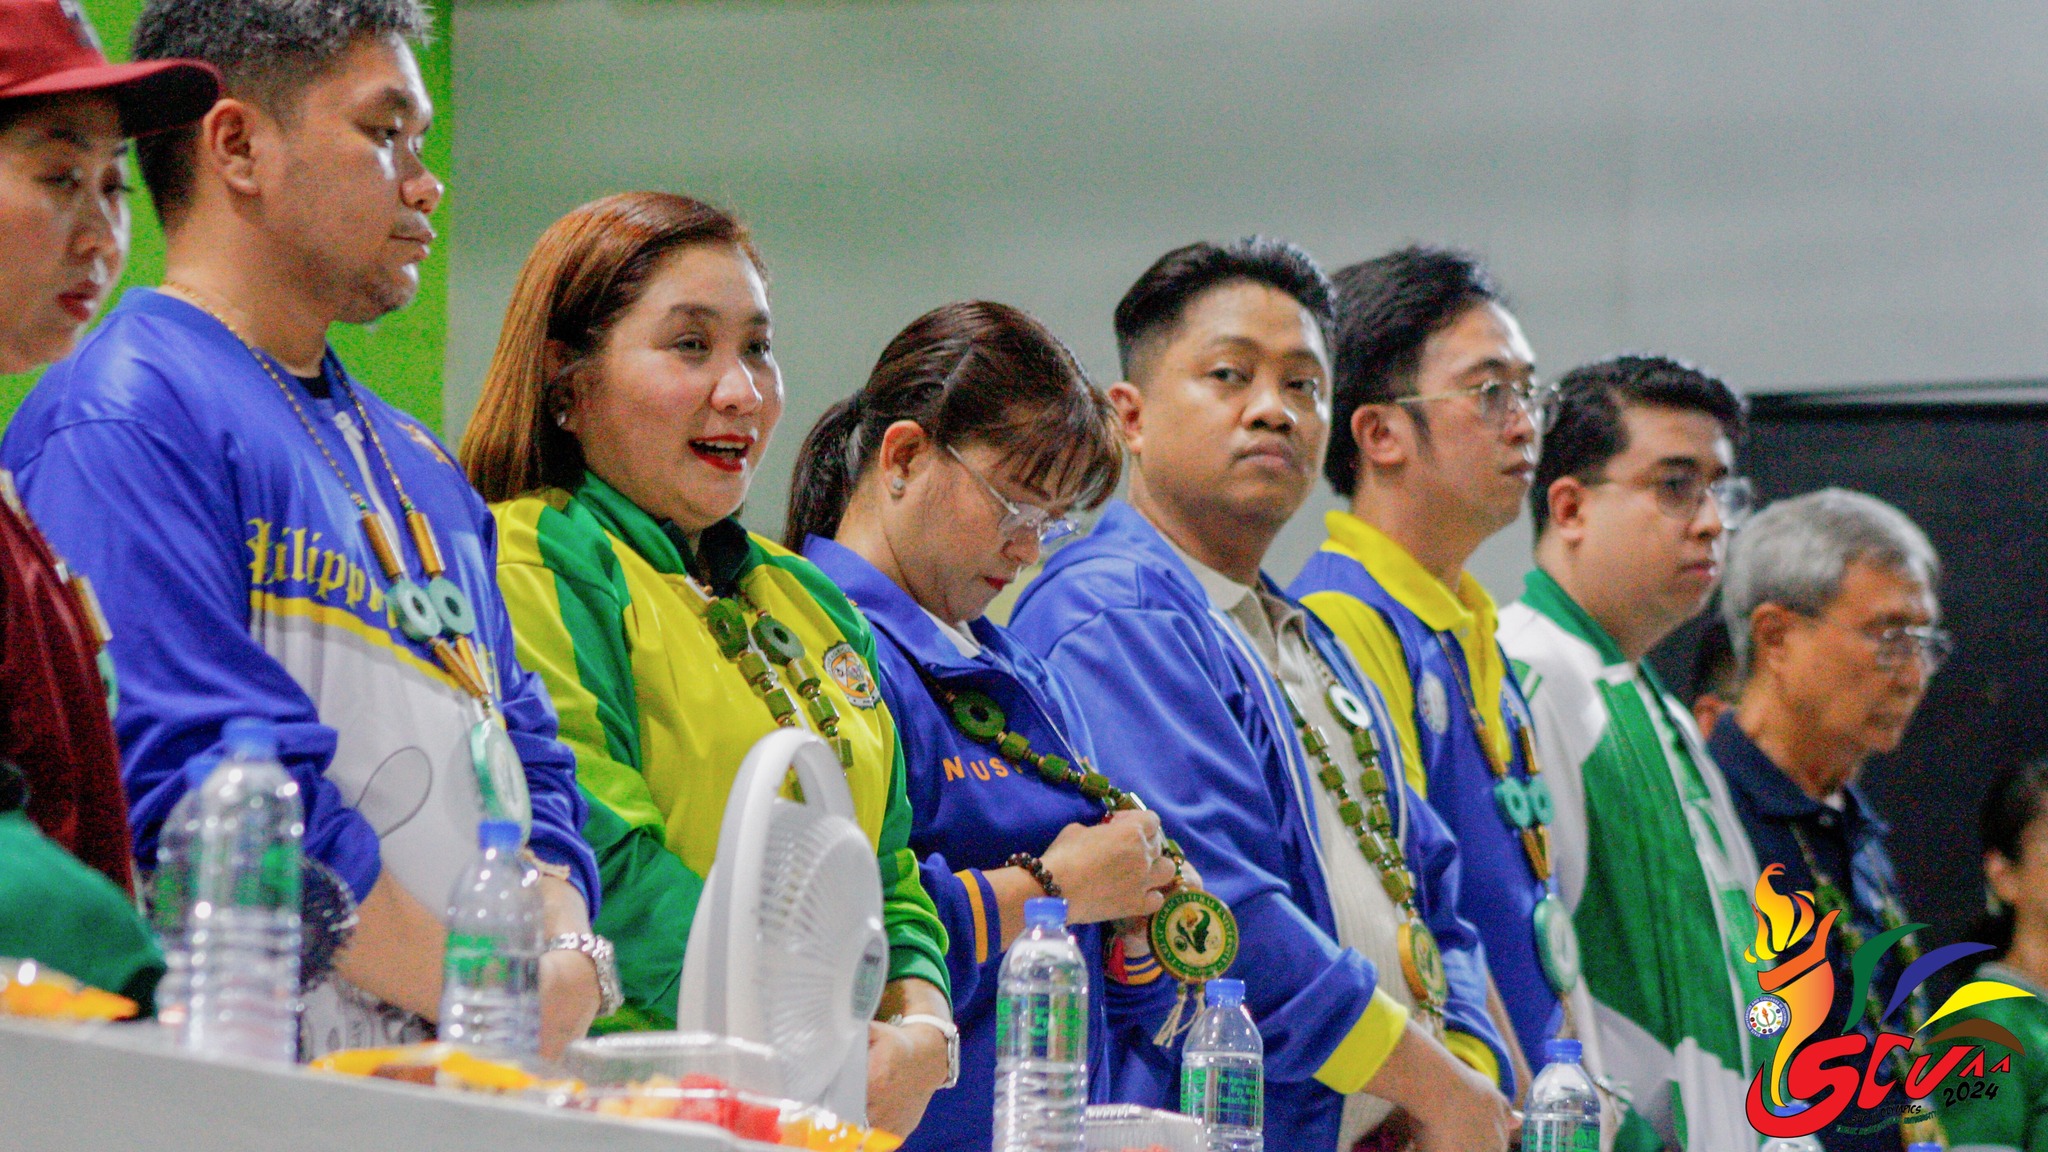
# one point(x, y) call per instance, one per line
point(787, 947)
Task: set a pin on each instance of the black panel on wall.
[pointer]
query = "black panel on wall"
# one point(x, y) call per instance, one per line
point(1974, 476)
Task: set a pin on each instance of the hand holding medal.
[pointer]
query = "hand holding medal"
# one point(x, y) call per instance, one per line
point(1193, 933)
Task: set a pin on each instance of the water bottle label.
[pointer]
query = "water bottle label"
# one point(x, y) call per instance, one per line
point(1236, 1096)
point(474, 961)
point(280, 875)
point(1543, 1136)
point(171, 893)
point(1053, 1028)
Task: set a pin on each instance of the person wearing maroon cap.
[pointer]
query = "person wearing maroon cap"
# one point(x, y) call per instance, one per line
point(65, 115)
point(270, 539)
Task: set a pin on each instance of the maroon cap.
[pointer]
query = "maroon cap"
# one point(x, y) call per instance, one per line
point(48, 47)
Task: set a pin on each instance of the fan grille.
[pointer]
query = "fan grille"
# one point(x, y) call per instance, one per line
point(823, 956)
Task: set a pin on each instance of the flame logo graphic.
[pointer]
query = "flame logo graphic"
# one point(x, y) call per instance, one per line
point(1806, 981)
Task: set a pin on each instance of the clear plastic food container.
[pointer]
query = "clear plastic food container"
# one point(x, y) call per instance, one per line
point(694, 1076)
point(1130, 1128)
point(634, 1057)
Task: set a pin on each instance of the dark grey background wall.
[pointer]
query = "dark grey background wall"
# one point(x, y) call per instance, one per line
point(1795, 195)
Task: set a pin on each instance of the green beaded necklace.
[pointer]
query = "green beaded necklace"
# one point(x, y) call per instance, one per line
point(771, 642)
point(1829, 897)
point(1193, 934)
point(1372, 826)
point(983, 720)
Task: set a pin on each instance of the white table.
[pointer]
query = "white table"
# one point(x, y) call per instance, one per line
point(118, 1090)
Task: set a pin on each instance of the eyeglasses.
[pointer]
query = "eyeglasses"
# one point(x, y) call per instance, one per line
point(1899, 644)
point(1499, 397)
point(1020, 519)
point(1681, 495)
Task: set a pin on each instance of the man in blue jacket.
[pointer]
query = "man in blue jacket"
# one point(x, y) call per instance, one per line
point(1239, 717)
point(269, 539)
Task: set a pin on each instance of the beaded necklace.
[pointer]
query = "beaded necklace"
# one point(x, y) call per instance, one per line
point(439, 615)
point(758, 649)
point(1829, 897)
point(1194, 934)
point(1372, 826)
point(983, 720)
point(1525, 805)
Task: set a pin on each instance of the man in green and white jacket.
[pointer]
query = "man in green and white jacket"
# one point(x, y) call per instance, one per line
point(1632, 500)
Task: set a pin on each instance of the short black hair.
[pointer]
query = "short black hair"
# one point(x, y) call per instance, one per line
point(1155, 304)
point(1387, 309)
point(267, 51)
point(1585, 428)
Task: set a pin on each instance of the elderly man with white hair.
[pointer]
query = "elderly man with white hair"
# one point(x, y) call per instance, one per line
point(1830, 604)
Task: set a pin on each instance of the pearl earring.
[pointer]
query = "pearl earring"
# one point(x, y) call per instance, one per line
point(896, 485)
point(562, 418)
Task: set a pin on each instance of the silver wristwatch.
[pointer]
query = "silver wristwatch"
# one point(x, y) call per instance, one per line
point(610, 996)
point(949, 1030)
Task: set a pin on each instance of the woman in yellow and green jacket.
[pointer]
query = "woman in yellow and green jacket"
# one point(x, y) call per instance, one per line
point(627, 408)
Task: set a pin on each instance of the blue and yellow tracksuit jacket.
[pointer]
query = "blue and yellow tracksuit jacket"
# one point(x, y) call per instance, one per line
point(972, 810)
point(1182, 712)
point(1402, 625)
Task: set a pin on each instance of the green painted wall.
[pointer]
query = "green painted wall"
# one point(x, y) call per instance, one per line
point(401, 356)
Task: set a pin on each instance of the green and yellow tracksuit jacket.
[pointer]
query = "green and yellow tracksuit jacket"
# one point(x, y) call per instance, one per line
point(604, 608)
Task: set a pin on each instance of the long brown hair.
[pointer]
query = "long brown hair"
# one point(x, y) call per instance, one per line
point(976, 371)
point(586, 270)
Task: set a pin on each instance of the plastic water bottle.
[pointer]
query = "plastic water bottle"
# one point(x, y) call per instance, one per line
point(240, 857)
point(1223, 1071)
point(1808, 1143)
point(1042, 1037)
point(170, 902)
point(490, 986)
point(1564, 1111)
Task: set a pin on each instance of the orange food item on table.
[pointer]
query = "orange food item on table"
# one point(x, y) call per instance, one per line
point(39, 992)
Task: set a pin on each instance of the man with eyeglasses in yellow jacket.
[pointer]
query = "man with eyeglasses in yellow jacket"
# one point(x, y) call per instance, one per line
point(1434, 429)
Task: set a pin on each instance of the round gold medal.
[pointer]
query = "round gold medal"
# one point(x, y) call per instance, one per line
point(1423, 964)
point(1195, 936)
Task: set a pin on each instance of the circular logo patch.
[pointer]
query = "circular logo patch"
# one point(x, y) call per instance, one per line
point(1767, 1016)
point(1195, 936)
point(850, 672)
point(1434, 703)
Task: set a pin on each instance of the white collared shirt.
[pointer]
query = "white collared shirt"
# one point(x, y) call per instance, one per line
point(963, 640)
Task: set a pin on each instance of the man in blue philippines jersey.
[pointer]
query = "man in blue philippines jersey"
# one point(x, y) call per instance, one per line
point(1237, 715)
point(1433, 444)
point(270, 539)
